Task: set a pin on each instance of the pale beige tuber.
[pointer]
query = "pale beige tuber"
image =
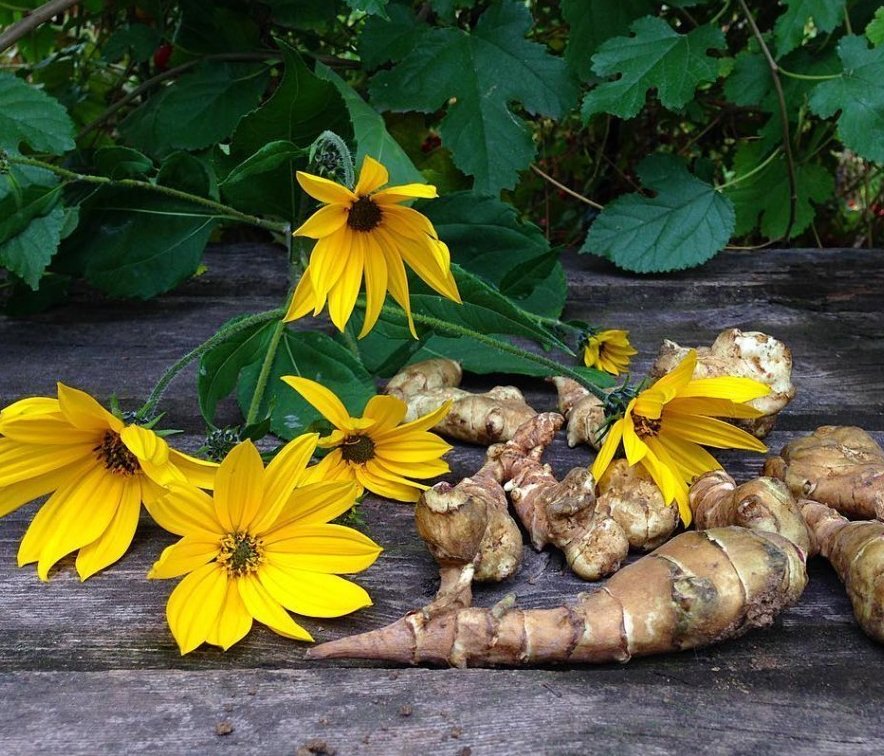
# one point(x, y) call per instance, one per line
point(584, 412)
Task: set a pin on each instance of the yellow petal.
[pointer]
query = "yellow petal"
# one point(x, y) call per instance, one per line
point(19, 462)
point(322, 400)
point(394, 194)
point(17, 494)
point(185, 510)
point(421, 255)
point(198, 472)
point(33, 405)
point(399, 489)
point(386, 411)
point(304, 299)
point(190, 553)
point(234, 620)
point(665, 478)
point(321, 548)
point(145, 444)
point(83, 412)
point(325, 190)
point(323, 222)
point(312, 594)
point(372, 176)
point(316, 503)
point(397, 283)
point(407, 222)
point(331, 467)
point(421, 424)
point(375, 284)
point(194, 606)
point(46, 429)
point(710, 407)
point(609, 448)
point(674, 480)
point(114, 542)
point(342, 296)
point(412, 449)
point(726, 387)
point(693, 460)
point(417, 468)
point(650, 402)
point(711, 432)
point(282, 475)
point(328, 263)
point(239, 487)
point(264, 608)
point(634, 447)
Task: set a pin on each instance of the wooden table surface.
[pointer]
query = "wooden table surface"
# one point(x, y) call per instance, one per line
point(92, 667)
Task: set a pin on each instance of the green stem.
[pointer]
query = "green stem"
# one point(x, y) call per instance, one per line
point(221, 336)
point(504, 346)
point(807, 77)
point(231, 212)
point(757, 169)
point(264, 375)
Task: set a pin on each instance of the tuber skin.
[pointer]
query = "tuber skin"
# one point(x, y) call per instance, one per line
point(697, 589)
point(746, 354)
point(631, 498)
point(584, 412)
point(478, 418)
point(856, 551)
point(761, 504)
point(840, 466)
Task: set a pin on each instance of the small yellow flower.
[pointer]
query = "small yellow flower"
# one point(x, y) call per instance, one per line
point(261, 546)
point(663, 427)
point(367, 233)
point(609, 351)
point(98, 469)
point(375, 450)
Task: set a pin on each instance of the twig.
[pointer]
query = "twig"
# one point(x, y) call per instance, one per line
point(784, 116)
point(34, 19)
point(565, 189)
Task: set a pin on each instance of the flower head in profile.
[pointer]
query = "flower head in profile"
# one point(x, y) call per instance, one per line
point(261, 547)
point(666, 426)
point(376, 450)
point(366, 232)
point(609, 351)
point(98, 470)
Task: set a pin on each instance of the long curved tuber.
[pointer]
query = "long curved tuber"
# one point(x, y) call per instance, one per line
point(478, 418)
point(584, 412)
point(697, 589)
point(746, 354)
point(856, 551)
point(761, 504)
point(840, 466)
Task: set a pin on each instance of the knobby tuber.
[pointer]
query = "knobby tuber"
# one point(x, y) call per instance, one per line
point(761, 504)
point(840, 466)
point(697, 589)
point(745, 354)
point(584, 412)
point(856, 551)
point(479, 418)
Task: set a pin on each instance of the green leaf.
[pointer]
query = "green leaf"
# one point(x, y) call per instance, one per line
point(302, 14)
point(170, 120)
point(210, 27)
point(485, 70)
point(137, 40)
point(859, 95)
point(371, 7)
point(122, 162)
point(875, 28)
point(383, 41)
point(370, 131)
point(684, 224)
point(655, 57)
point(750, 81)
point(593, 22)
point(766, 193)
point(247, 187)
point(31, 116)
point(789, 28)
point(311, 355)
point(188, 173)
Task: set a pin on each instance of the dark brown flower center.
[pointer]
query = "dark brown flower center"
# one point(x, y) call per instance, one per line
point(646, 426)
point(114, 455)
point(364, 215)
point(358, 449)
point(241, 553)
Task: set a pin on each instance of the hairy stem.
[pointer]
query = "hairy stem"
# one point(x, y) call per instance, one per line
point(264, 375)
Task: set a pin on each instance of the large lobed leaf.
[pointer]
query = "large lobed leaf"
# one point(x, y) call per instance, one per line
point(31, 116)
point(789, 28)
point(485, 70)
point(683, 225)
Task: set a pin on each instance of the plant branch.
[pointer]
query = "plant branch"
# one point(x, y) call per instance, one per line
point(264, 375)
point(807, 77)
point(784, 116)
point(757, 169)
point(195, 199)
point(565, 189)
point(34, 19)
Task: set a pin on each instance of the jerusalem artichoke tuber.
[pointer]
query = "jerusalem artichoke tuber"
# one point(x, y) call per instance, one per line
point(584, 412)
point(840, 466)
point(746, 354)
point(697, 589)
point(856, 551)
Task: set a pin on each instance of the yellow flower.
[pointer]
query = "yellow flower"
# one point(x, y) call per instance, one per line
point(367, 232)
point(665, 424)
point(375, 450)
point(98, 469)
point(609, 351)
point(261, 546)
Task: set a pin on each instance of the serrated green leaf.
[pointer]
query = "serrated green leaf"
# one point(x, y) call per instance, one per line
point(122, 162)
point(790, 26)
point(685, 224)
point(654, 57)
point(29, 252)
point(371, 7)
point(485, 70)
point(750, 81)
point(382, 41)
point(137, 40)
point(875, 28)
point(247, 188)
point(172, 119)
point(766, 193)
point(311, 355)
point(593, 22)
point(31, 116)
point(188, 173)
point(859, 95)
point(370, 132)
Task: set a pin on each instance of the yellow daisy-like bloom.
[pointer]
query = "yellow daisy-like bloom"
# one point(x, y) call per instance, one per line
point(261, 546)
point(98, 469)
point(663, 427)
point(367, 232)
point(375, 450)
point(608, 351)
